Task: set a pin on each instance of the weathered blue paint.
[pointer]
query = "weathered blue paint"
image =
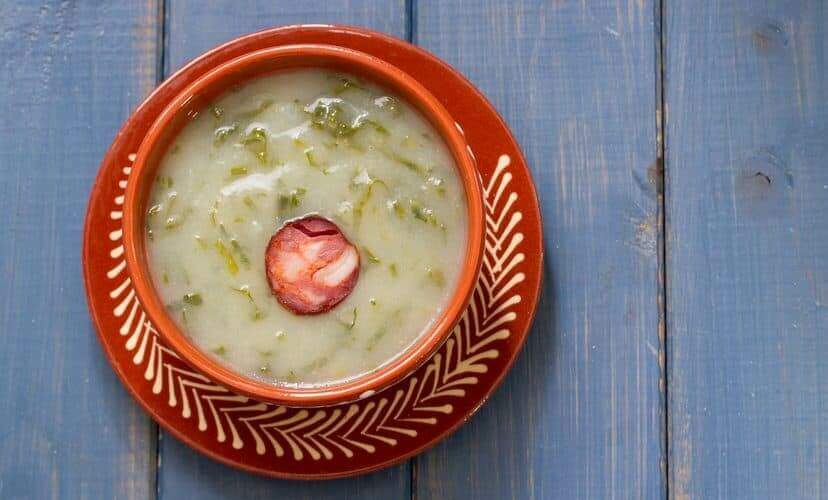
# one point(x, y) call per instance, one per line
point(580, 416)
point(747, 246)
point(71, 73)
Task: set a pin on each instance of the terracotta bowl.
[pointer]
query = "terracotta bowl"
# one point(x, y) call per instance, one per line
point(199, 95)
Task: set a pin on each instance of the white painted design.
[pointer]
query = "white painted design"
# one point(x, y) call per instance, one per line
point(370, 423)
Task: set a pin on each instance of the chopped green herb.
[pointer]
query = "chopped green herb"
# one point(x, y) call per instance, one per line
point(327, 114)
point(229, 261)
point(373, 259)
point(280, 335)
point(220, 350)
point(361, 180)
point(424, 214)
point(378, 127)
point(239, 250)
point(350, 324)
point(265, 354)
point(154, 210)
point(172, 222)
point(397, 207)
point(245, 290)
point(346, 84)
point(388, 103)
point(248, 201)
point(409, 164)
point(193, 299)
point(291, 377)
point(165, 181)
point(238, 170)
point(256, 142)
point(264, 369)
point(165, 277)
point(221, 134)
point(292, 199)
point(392, 268)
point(311, 158)
point(372, 301)
point(437, 183)
point(217, 111)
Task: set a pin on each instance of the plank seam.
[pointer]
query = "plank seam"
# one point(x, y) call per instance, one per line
point(160, 74)
point(411, 37)
point(661, 171)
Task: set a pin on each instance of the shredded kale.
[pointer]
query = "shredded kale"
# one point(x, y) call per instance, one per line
point(256, 141)
point(373, 259)
point(193, 299)
point(388, 103)
point(291, 199)
point(238, 170)
point(229, 261)
point(329, 115)
point(344, 84)
point(221, 134)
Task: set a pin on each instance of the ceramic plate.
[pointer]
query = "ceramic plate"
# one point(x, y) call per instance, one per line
point(380, 429)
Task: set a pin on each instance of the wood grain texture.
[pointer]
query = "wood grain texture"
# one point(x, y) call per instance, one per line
point(580, 416)
point(193, 27)
point(71, 73)
point(747, 246)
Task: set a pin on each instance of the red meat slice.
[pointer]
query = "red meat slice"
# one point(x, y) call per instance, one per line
point(310, 265)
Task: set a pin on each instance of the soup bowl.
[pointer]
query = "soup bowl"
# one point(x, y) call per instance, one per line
point(196, 98)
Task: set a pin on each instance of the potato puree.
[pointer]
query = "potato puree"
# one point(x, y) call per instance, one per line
point(285, 146)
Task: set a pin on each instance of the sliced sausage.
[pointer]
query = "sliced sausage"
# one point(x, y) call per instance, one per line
point(310, 265)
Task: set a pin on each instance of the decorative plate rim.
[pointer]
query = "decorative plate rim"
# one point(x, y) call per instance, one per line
point(112, 158)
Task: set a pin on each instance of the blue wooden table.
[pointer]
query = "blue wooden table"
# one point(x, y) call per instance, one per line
point(680, 149)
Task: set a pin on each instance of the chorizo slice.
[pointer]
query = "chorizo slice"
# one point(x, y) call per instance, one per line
point(311, 266)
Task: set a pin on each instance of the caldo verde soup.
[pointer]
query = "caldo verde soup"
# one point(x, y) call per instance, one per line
point(306, 227)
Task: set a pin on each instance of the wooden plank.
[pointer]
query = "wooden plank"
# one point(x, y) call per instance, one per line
point(193, 27)
point(581, 415)
point(71, 73)
point(747, 248)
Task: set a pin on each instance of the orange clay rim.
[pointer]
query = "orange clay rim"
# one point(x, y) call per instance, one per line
point(200, 93)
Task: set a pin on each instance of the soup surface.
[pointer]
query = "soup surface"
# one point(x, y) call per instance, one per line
point(288, 146)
